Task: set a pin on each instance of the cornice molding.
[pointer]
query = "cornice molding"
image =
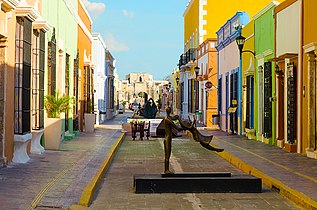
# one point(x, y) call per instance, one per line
point(310, 47)
point(42, 25)
point(267, 52)
point(9, 5)
point(265, 9)
point(25, 10)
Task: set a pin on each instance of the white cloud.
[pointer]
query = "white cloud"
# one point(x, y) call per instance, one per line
point(127, 13)
point(94, 8)
point(114, 45)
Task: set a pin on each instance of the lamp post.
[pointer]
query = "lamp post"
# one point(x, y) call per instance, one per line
point(196, 94)
point(240, 40)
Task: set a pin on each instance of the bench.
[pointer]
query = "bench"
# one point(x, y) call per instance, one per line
point(140, 127)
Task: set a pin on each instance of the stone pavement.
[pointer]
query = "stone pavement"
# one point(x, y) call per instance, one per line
point(56, 179)
point(147, 157)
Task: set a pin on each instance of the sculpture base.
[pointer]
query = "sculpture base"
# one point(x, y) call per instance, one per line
point(221, 182)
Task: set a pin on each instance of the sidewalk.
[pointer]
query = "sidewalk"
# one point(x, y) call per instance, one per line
point(57, 179)
point(292, 175)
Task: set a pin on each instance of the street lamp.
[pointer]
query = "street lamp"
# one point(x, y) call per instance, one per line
point(196, 71)
point(240, 40)
point(177, 80)
point(196, 89)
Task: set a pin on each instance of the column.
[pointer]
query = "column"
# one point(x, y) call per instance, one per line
point(312, 100)
point(3, 46)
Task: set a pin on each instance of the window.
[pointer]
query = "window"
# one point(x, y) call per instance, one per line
point(219, 94)
point(196, 96)
point(66, 87)
point(250, 102)
point(140, 79)
point(75, 92)
point(51, 63)
point(87, 89)
point(182, 95)
point(22, 76)
point(190, 95)
point(38, 79)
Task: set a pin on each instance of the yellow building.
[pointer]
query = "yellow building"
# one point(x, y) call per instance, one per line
point(307, 85)
point(248, 81)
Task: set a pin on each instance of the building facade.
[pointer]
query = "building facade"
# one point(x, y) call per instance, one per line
point(230, 74)
point(99, 61)
point(109, 91)
point(265, 88)
point(287, 70)
point(207, 63)
point(307, 81)
point(85, 103)
point(248, 81)
point(137, 83)
point(202, 19)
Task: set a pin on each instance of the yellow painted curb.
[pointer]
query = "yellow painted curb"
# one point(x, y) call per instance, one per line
point(295, 196)
point(91, 187)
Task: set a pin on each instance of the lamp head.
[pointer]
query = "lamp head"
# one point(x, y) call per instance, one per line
point(240, 40)
point(196, 70)
point(177, 80)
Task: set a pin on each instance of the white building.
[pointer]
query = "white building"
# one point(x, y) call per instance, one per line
point(99, 60)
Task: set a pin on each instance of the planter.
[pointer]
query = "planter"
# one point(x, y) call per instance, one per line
point(89, 122)
point(52, 133)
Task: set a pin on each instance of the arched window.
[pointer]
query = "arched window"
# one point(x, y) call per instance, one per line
point(140, 79)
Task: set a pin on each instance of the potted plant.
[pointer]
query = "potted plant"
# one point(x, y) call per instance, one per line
point(89, 118)
point(54, 105)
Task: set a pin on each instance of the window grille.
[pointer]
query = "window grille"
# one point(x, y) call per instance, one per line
point(267, 121)
point(51, 63)
point(189, 95)
point(182, 95)
point(250, 102)
point(75, 92)
point(38, 79)
point(22, 75)
point(219, 95)
point(196, 95)
point(66, 87)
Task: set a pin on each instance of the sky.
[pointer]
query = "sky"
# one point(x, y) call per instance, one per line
point(142, 35)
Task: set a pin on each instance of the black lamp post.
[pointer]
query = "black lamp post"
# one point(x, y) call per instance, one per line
point(196, 101)
point(240, 40)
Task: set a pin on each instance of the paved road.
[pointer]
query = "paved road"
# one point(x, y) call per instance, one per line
point(146, 157)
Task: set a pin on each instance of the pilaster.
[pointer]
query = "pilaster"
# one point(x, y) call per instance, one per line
point(3, 46)
point(311, 99)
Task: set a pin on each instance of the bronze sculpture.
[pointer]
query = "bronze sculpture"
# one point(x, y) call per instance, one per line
point(190, 126)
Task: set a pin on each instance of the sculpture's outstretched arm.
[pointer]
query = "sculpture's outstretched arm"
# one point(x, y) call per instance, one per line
point(170, 120)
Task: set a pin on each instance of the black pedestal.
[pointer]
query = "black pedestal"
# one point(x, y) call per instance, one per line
point(221, 182)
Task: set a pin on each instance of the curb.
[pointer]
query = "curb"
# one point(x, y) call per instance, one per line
point(295, 196)
point(91, 187)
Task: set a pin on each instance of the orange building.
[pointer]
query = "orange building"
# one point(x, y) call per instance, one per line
point(207, 62)
point(85, 97)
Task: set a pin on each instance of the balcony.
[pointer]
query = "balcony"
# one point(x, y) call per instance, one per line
point(187, 57)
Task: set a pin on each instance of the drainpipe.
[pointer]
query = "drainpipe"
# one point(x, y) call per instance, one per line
point(300, 79)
